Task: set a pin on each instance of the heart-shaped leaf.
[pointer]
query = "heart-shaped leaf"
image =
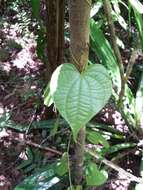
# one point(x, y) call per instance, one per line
point(95, 177)
point(62, 166)
point(80, 96)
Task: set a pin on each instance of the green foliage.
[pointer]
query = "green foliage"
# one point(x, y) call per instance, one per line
point(41, 31)
point(106, 56)
point(6, 122)
point(138, 11)
point(139, 21)
point(45, 179)
point(139, 100)
point(36, 8)
point(62, 166)
point(78, 187)
point(34, 161)
point(13, 45)
point(95, 8)
point(4, 54)
point(47, 96)
point(83, 96)
point(94, 176)
point(97, 138)
point(118, 147)
point(41, 43)
point(78, 97)
point(105, 127)
point(137, 6)
point(117, 14)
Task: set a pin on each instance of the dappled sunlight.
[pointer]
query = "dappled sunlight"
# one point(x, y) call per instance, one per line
point(1, 110)
point(109, 115)
point(20, 92)
point(76, 127)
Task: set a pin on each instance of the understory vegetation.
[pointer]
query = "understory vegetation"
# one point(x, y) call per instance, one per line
point(71, 95)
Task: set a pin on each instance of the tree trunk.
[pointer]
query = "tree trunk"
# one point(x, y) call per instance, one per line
point(55, 40)
point(79, 12)
point(55, 34)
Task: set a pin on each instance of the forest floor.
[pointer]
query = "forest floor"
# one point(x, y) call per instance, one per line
point(21, 103)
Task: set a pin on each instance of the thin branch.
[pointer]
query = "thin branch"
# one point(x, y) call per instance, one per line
point(30, 143)
point(130, 176)
point(120, 156)
point(134, 56)
point(108, 11)
point(69, 168)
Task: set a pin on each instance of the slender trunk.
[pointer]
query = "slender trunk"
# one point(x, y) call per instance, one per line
point(108, 10)
point(61, 16)
point(79, 12)
point(55, 40)
point(55, 34)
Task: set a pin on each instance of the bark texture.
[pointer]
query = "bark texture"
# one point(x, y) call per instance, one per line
point(79, 12)
point(55, 34)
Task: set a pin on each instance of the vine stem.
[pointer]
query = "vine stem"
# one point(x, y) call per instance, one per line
point(134, 56)
point(69, 169)
point(79, 14)
point(108, 13)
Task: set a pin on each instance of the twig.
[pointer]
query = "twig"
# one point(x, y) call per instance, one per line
point(108, 11)
point(131, 63)
point(63, 131)
point(69, 168)
point(30, 143)
point(31, 121)
point(121, 155)
point(130, 176)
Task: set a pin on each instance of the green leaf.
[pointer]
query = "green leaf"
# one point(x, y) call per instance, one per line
point(44, 124)
point(139, 102)
point(137, 6)
point(36, 8)
point(62, 166)
point(95, 8)
point(105, 127)
point(95, 177)
point(78, 187)
point(46, 179)
point(117, 147)
point(96, 138)
point(79, 97)
point(47, 96)
point(138, 11)
point(105, 54)
point(117, 14)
